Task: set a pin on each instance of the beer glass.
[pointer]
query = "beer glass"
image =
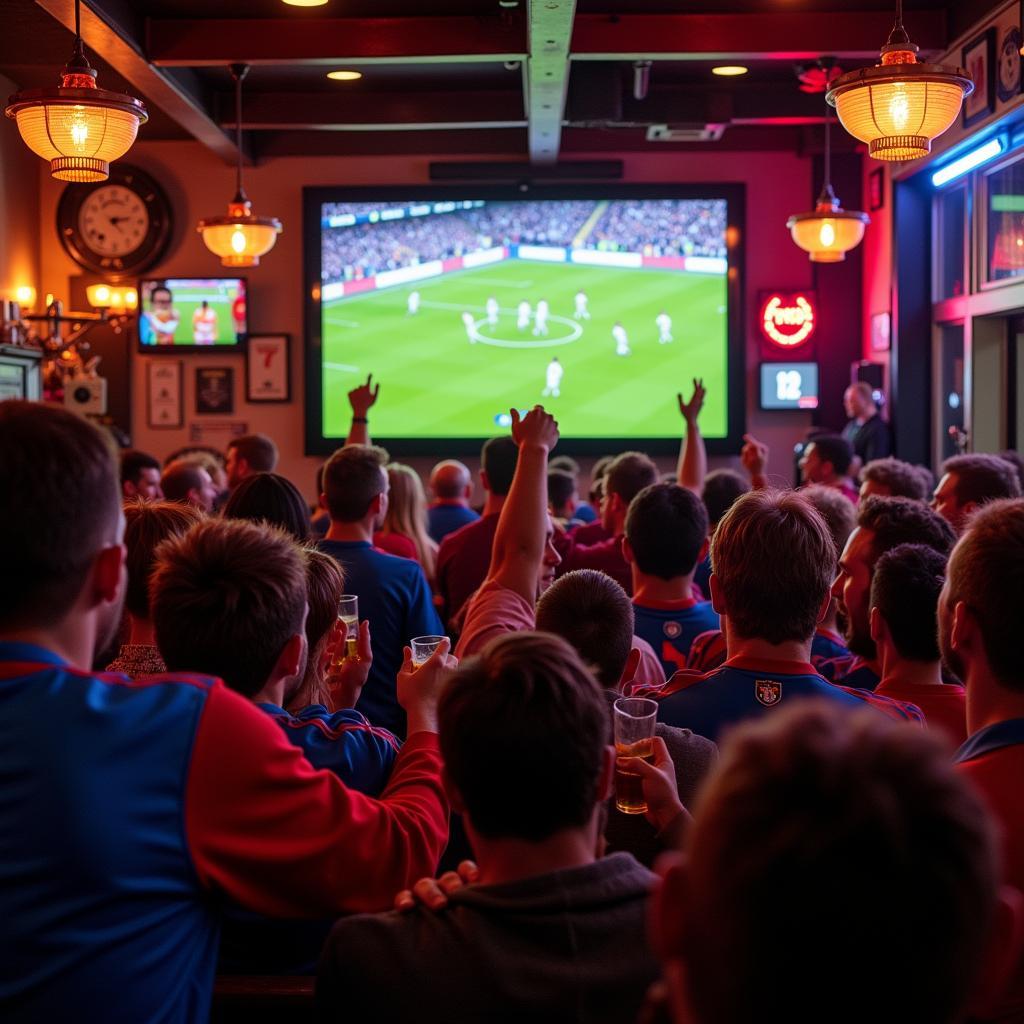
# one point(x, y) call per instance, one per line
point(348, 613)
point(634, 735)
point(423, 647)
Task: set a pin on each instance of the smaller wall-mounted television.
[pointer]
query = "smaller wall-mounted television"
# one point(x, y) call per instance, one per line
point(192, 314)
point(789, 386)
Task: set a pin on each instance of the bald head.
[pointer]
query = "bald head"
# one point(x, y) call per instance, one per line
point(450, 480)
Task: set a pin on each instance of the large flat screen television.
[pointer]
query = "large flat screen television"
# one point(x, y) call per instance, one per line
point(599, 302)
point(192, 314)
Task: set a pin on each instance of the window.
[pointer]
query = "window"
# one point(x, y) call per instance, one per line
point(1004, 236)
point(950, 265)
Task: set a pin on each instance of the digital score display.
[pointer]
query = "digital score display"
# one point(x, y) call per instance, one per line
point(789, 386)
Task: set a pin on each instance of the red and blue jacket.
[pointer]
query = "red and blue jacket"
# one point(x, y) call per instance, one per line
point(131, 811)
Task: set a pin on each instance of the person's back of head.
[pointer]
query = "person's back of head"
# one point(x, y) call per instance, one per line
point(524, 735)
point(181, 478)
point(895, 521)
point(561, 489)
point(272, 499)
point(353, 477)
point(566, 463)
point(905, 590)
point(986, 576)
point(773, 562)
point(834, 449)
point(226, 598)
point(597, 475)
point(775, 905)
point(147, 525)
point(594, 614)
point(722, 487)
point(838, 512)
point(258, 451)
point(325, 583)
point(450, 480)
point(666, 529)
point(60, 508)
point(628, 474)
point(892, 477)
point(498, 459)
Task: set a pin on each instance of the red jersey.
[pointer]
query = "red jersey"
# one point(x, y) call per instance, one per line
point(944, 706)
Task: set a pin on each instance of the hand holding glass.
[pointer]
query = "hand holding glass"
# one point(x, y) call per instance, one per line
point(635, 718)
point(423, 647)
point(348, 614)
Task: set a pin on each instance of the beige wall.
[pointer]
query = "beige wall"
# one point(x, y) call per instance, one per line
point(200, 185)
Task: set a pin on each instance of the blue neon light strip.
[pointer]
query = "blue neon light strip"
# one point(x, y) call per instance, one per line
point(975, 158)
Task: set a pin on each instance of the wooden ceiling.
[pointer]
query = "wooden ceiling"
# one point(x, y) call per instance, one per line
point(526, 79)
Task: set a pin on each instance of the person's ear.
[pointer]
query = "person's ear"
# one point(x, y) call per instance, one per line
point(106, 574)
point(289, 661)
point(485, 482)
point(961, 633)
point(467, 492)
point(879, 629)
point(627, 550)
point(717, 602)
point(322, 501)
point(630, 669)
point(1003, 953)
point(454, 796)
point(823, 610)
point(606, 780)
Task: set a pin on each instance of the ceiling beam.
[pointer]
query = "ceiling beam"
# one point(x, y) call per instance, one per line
point(177, 95)
point(781, 35)
point(547, 75)
point(209, 42)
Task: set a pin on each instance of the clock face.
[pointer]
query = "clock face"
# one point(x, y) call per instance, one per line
point(113, 221)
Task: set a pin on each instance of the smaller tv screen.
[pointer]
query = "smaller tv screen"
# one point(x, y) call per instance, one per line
point(178, 314)
point(789, 386)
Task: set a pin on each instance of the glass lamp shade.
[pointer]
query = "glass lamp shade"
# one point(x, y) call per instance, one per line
point(829, 232)
point(899, 106)
point(240, 238)
point(80, 129)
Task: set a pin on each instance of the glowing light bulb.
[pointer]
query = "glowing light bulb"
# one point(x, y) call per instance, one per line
point(238, 241)
point(899, 108)
point(79, 128)
point(131, 298)
point(827, 235)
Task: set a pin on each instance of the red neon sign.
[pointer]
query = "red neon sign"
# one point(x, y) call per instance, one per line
point(788, 319)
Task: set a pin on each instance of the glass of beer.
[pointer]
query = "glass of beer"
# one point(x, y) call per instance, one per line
point(422, 648)
point(634, 734)
point(348, 613)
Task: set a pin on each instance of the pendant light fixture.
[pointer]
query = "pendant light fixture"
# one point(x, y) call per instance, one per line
point(240, 238)
point(79, 128)
point(828, 232)
point(899, 106)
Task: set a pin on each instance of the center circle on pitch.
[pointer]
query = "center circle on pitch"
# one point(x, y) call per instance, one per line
point(575, 333)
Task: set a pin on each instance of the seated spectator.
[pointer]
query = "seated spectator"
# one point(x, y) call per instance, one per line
point(594, 532)
point(774, 876)
point(150, 805)
point(551, 931)
point(666, 536)
point(905, 588)
point(147, 524)
point(140, 476)
point(393, 592)
point(248, 454)
point(968, 481)
point(892, 478)
point(188, 482)
point(826, 461)
point(452, 485)
point(561, 496)
point(868, 435)
point(583, 513)
point(721, 489)
point(404, 532)
point(882, 524)
point(773, 564)
point(271, 499)
point(464, 556)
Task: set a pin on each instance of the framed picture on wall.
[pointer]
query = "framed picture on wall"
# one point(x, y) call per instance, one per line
point(978, 59)
point(881, 329)
point(215, 390)
point(876, 189)
point(268, 375)
point(164, 400)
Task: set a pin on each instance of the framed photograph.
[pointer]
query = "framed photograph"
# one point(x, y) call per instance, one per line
point(215, 390)
point(268, 376)
point(978, 59)
point(880, 332)
point(1007, 74)
point(876, 189)
point(165, 405)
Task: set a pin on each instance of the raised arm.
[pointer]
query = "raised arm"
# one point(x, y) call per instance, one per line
point(754, 456)
point(523, 525)
point(361, 399)
point(693, 456)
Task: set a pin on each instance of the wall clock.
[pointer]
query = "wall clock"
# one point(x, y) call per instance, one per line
point(118, 227)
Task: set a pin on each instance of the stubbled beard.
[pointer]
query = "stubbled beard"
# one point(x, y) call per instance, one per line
point(859, 641)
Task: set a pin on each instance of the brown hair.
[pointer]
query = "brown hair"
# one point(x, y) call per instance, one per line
point(800, 803)
point(325, 582)
point(901, 478)
point(981, 478)
point(905, 588)
point(986, 572)
point(258, 450)
point(407, 514)
point(523, 727)
point(353, 477)
point(593, 613)
point(180, 477)
point(270, 498)
point(628, 474)
point(60, 501)
point(775, 561)
point(226, 598)
point(666, 527)
point(895, 521)
point(147, 524)
point(836, 509)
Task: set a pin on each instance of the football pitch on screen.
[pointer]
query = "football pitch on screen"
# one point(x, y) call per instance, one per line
point(435, 382)
point(188, 300)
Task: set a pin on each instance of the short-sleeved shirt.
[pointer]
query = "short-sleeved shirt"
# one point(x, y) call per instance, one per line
point(670, 627)
point(394, 597)
point(463, 560)
point(944, 705)
point(444, 518)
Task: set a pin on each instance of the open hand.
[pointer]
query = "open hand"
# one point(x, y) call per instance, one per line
point(364, 396)
point(691, 409)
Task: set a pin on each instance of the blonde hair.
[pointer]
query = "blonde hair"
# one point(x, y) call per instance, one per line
point(407, 514)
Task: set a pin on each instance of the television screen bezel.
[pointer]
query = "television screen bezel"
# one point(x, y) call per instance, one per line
point(785, 362)
point(191, 349)
point(313, 197)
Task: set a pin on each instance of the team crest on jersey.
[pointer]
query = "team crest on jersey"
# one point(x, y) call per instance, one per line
point(672, 630)
point(768, 692)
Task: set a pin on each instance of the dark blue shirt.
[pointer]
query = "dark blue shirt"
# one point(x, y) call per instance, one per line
point(394, 597)
point(445, 519)
point(670, 628)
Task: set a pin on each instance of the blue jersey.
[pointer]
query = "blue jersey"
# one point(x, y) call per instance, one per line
point(445, 519)
point(394, 597)
point(848, 670)
point(670, 627)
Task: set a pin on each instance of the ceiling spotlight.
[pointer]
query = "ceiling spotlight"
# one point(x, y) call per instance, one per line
point(305, 3)
point(641, 78)
point(729, 70)
point(344, 76)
